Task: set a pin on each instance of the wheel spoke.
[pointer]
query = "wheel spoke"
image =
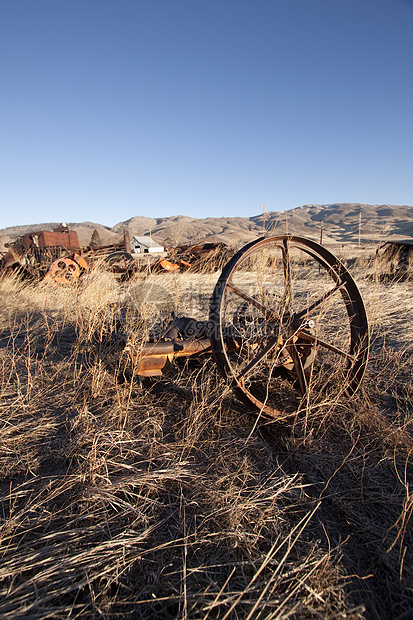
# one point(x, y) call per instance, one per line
point(326, 345)
point(303, 313)
point(288, 293)
point(270, 315)
point(298, 366)
point(260, 356)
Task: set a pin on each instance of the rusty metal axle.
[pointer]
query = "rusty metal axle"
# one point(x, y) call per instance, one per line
point(153, 358)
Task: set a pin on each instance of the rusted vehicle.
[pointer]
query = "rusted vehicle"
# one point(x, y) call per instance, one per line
point(287, 328)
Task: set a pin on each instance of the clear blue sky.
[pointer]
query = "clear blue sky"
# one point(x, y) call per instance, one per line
point(117, 108)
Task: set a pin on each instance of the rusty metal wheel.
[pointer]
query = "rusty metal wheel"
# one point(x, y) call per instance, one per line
point(62, 271)
point(121, 264)
point(288, 326)
point(119, 259)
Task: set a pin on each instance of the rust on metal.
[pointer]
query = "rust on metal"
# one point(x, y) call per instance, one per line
point(35, 254)
point(31, 254)
point(266, 341)
point(57, 257)
point(59, 237)
point(167, 265)
point(152, 359)
point(62, 271)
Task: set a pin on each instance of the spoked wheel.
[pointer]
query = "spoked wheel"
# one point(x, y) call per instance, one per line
point(120, 263)
point(289, 327)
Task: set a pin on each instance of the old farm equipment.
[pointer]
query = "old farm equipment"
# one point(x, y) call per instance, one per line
point(201, 257)
point(31, 254)
point(116, 257)
point(57, 257)
point(286, 327)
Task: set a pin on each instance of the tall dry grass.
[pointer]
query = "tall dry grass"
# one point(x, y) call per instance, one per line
point(163, 498)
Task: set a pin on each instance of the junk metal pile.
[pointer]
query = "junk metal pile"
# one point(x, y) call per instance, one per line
point(56, 257)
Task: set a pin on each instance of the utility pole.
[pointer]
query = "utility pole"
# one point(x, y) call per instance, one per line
point(359, 228)
point(321, 242)
point(263, 217)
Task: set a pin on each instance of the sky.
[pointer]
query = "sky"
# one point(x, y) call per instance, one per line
point(116, 108)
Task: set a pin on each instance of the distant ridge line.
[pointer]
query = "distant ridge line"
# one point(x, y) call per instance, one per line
point(340, 222)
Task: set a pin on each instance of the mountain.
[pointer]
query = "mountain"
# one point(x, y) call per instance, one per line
point(339, 223)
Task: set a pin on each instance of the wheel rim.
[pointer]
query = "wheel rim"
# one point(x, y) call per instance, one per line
point(119, 259)
point(289, 327)
point(62, 271)
point(120, 264)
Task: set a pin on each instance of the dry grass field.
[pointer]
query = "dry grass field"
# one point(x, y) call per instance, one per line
point(165, 498)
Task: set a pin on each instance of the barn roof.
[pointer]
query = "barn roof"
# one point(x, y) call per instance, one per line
point(147, 241)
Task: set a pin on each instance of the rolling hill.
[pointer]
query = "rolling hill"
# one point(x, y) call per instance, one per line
point(340, 223)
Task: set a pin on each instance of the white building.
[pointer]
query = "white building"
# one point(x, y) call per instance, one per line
point(145, 245)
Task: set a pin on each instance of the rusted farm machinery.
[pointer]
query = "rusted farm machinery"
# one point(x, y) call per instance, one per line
point(201, 257)
point(115, 256)
point(31, 254)
point(286, 327)
point(56, 256)
point(198, 258)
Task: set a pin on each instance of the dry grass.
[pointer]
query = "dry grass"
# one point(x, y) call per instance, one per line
point(164, 499)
